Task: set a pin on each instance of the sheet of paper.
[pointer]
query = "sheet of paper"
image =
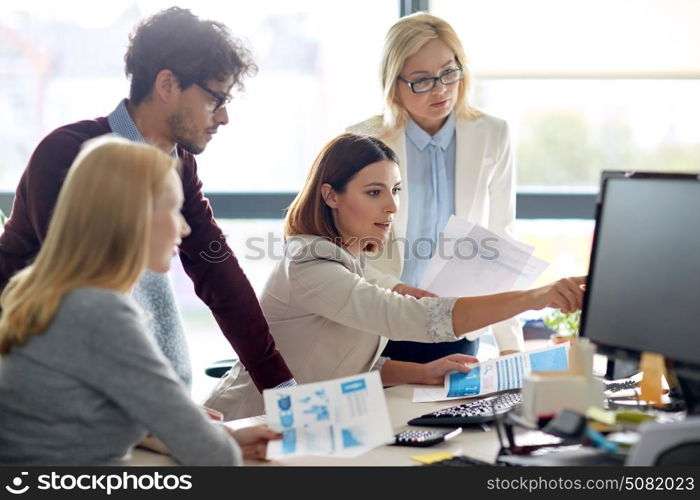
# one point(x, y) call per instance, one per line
point(495, 375)
point(470, 260)
point(341, 418)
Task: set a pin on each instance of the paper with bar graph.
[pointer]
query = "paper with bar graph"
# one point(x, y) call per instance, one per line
point(344, 417)
point(495, 375)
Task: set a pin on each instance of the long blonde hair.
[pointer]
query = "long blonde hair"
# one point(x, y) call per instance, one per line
point(98, 235)
point(406, 37)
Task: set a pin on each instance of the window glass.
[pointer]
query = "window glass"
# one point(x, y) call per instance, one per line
point(318, 73)
point(545, 37)
point(257, 245)
point(586, 86)
point(566, 131)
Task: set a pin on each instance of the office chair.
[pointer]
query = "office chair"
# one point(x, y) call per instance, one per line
point(219, 368)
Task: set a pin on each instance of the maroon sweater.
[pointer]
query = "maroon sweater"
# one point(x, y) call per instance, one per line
point(222, 286)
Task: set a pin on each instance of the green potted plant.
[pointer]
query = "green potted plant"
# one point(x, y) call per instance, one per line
point(566, 325)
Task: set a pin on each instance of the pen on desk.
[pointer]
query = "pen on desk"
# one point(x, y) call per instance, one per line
point(453, 433)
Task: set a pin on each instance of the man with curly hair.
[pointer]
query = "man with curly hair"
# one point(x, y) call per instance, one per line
point(182, 70)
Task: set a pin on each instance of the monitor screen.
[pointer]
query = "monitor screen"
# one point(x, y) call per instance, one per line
point(644, 277)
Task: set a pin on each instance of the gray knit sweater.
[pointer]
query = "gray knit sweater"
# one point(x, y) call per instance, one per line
point(87, 389)
point(155, 296)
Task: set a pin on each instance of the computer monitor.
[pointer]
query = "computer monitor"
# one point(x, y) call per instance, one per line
point(643, 289)
point(616, 367)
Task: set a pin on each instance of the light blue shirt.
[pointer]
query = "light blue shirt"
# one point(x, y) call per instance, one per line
point(430, 168)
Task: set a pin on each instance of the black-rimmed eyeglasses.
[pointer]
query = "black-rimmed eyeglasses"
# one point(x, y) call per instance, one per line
point(221, 100)
point(447, 77)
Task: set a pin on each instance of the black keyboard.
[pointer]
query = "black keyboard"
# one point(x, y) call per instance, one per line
point(620, 386)
point(463, 461)
point(472, 412)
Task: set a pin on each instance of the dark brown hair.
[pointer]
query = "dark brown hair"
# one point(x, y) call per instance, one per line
point(337, 163)
point(194, 49)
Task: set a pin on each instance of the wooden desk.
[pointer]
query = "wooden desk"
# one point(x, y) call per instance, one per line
point(473, 441)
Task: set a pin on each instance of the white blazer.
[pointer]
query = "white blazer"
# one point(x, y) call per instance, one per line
point(484, 193)
point(329, 322)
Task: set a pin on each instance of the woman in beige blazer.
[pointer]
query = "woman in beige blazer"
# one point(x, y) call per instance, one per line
point(426, 82)
point(327, 319)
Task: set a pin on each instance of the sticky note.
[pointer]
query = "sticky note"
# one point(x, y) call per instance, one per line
point(429, 458)
point(600, 415)
point(653, 368)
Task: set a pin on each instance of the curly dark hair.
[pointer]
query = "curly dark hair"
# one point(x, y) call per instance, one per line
point(195, 50)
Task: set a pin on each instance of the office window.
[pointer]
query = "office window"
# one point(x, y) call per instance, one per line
point(566, 131)
point(318, 60)
point(586, 86)
point(257, 244)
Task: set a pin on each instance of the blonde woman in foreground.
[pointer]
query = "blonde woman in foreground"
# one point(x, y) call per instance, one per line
point(327, 319)
point(81, 379)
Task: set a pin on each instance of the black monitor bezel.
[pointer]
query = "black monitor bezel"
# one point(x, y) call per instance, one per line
point(683, 368)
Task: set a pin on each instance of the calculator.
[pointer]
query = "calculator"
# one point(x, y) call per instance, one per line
point(424, 438)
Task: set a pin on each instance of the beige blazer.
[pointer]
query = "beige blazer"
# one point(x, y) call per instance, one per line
point(484, 193)
point(328, 321)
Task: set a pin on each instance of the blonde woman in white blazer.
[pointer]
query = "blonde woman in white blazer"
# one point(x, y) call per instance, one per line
point(327, 319)
point(426, 83)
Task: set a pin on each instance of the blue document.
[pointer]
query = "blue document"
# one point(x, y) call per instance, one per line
point(507, 372)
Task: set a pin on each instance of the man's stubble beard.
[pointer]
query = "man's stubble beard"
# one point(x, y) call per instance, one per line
point(183, 133)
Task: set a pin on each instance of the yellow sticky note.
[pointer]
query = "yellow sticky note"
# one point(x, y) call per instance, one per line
point(429, 458)
point(633, 417)
point(600, 415)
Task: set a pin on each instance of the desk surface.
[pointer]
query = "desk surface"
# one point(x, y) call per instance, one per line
point(473, 441)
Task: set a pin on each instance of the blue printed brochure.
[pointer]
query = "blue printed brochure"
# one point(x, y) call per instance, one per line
point(495, 375)
point(344, 417)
